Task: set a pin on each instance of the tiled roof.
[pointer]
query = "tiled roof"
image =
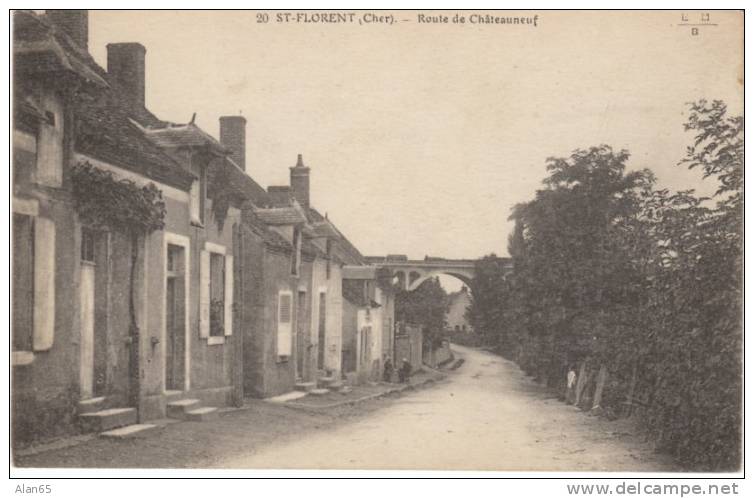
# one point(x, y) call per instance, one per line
point(184, 135)
point(38, 48)
point(271, 239)
point(359, 272)
point(252, 190)
point(324, 229)
point(353, 292)
point(281, 216)
point(308, 248)
point(103, 113)
point(344, 251)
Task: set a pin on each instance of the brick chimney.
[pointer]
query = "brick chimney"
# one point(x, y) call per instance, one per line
point(74, 23)
point(233, 136)
point(300, 182)
point(125, 64)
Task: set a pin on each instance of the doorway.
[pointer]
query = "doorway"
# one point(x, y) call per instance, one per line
point(301, 335)
point(175, 318)
point(321, 330)
point(94, 302)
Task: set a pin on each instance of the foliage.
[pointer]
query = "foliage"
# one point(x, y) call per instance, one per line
point(609, 271)
point(102, 201)
point(425, 306)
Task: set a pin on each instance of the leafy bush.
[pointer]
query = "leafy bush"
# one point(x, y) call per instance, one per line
point(609, 271)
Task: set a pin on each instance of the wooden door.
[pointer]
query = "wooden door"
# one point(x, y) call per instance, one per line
point(175, 320)
point(321, 331)
point(87, 330)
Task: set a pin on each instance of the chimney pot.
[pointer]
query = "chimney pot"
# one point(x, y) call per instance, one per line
point(300, 182)
point(125, 64)
point(233, 137)
point(74, 23)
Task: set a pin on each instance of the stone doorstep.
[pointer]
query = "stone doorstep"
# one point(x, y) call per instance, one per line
point(319, 392)
point(91, 405)
point(178, 409)
point(305, 386)
point(282, 398)
point(202, 414)
point(107, 419)
point(129, 431)
point(326, 381)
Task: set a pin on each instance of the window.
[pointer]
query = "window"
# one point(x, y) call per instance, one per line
point(33, 293)
point(87, 245)
point(366, 338)
point(50, 142)
point(215, 293)
point(24, 154)
point(284, 336)
point(296, 254)
point(198, 194)
point(23, 282)
point(175, 259)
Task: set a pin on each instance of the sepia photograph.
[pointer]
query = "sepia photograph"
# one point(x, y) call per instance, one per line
point(496, 241)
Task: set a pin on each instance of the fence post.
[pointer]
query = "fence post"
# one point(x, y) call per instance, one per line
point(601, 379)
point(580, 383)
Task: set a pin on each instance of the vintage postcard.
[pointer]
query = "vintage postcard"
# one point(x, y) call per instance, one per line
point(442, 240)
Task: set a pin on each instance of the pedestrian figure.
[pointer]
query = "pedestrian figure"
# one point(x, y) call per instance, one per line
point(571, 386)
point(387, 373)
point(405, 371)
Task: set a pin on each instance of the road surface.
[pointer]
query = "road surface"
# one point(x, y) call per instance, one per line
point(486, 416)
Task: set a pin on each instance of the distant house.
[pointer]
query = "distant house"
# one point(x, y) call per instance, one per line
point(455, 317)
point(368, 313)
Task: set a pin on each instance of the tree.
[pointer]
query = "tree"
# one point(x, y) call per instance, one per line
point(425, 306)
point(646, 283)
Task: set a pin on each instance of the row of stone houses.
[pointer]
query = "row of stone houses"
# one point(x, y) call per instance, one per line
point(240, 291)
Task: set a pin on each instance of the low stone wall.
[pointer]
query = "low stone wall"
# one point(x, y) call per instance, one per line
point(438, 356)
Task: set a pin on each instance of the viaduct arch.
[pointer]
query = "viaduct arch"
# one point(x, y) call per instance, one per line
point(412, 273)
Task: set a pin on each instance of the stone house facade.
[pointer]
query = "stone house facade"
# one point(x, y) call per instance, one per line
point(240, 293)
point(133, 360)
point(455, 317)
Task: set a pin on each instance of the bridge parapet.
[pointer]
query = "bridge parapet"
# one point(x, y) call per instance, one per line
point(412, 273)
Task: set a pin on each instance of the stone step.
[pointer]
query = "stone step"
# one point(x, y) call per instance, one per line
point(91, 405)
point(305, 386)
point(282, 398)
point(103, 420)
point(319, 392)
point(178, 409)
point(129, 431)
point(202, 414)
point(336, 386)
point(326, 381)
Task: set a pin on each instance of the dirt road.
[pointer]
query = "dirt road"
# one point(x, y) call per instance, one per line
point(485, 416)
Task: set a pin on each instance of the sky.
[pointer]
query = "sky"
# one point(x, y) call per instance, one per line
point(422, 137)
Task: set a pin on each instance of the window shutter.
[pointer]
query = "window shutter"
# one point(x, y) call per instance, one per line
point(44, 283)
point(284, 324)
point(228, 295)
point(204, 294)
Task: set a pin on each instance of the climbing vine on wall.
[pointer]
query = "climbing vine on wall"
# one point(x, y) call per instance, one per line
point(103, 201)
point(220, 191)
